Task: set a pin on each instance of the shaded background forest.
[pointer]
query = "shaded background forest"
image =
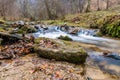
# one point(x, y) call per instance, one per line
point(50, 9)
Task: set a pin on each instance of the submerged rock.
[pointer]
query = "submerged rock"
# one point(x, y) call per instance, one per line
point(62, 52)
point(65, 38)
point(113, 56)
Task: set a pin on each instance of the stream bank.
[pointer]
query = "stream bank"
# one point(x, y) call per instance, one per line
point(103, 57)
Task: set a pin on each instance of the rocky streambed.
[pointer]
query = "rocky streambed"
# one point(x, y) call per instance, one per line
point(32, 67)
point(83, 57)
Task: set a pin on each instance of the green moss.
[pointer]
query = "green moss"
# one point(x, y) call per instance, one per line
point(62, 55)
point(111, 27)
point(71, 51)
point(26, 29)
point(86, 20)
point(65, 38)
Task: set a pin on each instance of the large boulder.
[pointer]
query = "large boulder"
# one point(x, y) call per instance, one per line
point(58, 50)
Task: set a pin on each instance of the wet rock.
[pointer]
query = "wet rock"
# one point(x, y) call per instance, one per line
point(62, 53)
point(20, 23)
point(65, 38)
point(113, 56)
point(37, 27)
point(105, 53)
point(73, 31)
point(70, 30)
point(44, 27)
point(41, 27)
point(64, 28)
point(32, 23)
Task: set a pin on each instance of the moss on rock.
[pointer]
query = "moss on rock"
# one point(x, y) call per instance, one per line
point(63, 53)
point(65, 38)
point(26, 29)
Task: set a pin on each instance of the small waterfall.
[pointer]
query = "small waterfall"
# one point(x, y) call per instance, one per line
point(87, 32)
point(106, 63)
point(82, 35)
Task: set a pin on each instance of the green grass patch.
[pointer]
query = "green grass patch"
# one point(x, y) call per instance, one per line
point(86, 20)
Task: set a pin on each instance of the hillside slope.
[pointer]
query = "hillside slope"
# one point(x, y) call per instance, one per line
point(107, 21)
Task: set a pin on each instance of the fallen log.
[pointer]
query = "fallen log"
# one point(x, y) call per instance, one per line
point(9, 38)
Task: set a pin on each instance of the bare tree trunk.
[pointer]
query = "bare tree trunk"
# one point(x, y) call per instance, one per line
point(98, 2)
point(88, 6)
point(48, 10)
point(107, 6)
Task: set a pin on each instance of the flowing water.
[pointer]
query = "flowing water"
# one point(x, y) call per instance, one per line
point(110, 63)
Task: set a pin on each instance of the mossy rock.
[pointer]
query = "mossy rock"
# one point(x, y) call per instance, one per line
point(26, 29)
point(65, 52)
point(66, 38)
